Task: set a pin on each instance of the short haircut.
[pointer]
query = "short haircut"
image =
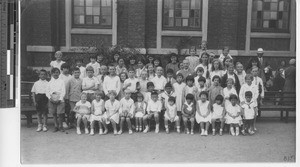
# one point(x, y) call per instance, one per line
point(190, 78)
point(200, 69)
point(203, 93)
point(127, 91)
point(79, 60)
point(42, 70)
point(168, 85)
point(89, 68)
point(226, 47)
point(113, 92)
point(189, 97)
point(230, 79)
point(201, 79)
point(139, 94)
point(83, 94)
point(54, 70)
point(219, 97)
point(65, 65)
point(254, 68)
point(249, 76)
point(150, 84)
point(173, 55)
point(76, 69)
point(172, 99)
point(100, 94)
point(170, 71)
point(93, 57)
point(248, 94)
point(233, 96)
point(179, 75)
point(216, 76)
point(131, 69)
point(154, 93)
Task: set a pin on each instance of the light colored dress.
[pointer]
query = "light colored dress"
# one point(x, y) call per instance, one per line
point(113, 108)
point(172, 111)
point(140, 109)
point(233, 110)
point(249, 112)
point(99, 114)
point(83, 109)
point(227, 92)
point(178, 88)
point(217, 111)
point(203, 107)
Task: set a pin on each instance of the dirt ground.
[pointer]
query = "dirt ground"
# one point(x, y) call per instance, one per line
point(275, 141)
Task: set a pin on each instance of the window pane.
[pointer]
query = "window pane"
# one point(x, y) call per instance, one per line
point(79, 2)
point(267, 6)
point(272, 24)
point(197, 22)
point(78, 10)
point(274, 6)
point(267, 15)
point(106, 20)
point(192, 22)
point(266, 24)
point(177, 4)
point(185, 22)
point(89, 19)
point(106, 2)
point(198, 4)
point(286, 6)
point(279, 23)
point(171, 13)
point(274, 15)
point(96, 19)
point(79, 19)
point(89, 2)
point(284, 24)
point(185, 13)
point(96, 2)
point(89, 10)
point(177, 13)
point(171, 21)
point(254, 15)
point(259, 5)
point(169, 4)
point(185, 4)
point(285, 16)
point(253, 24)
point(106, 11)
point(96, 10)
point(178, 22)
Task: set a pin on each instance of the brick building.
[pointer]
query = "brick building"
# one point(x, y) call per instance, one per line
point(157, 27)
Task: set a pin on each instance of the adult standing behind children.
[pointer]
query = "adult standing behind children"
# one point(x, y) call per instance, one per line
point(290, 77)
point(186, 71)
point(193, 59)
point(58, 62)
point(204, 64)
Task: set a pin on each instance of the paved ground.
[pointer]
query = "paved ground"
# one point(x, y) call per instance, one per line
point(274, 142)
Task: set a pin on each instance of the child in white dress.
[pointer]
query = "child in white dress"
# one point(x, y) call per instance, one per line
point(233, 115)
point(188, 113)
point(201, 84)
point(171, 114)
point(83, 112)
point(227, 91)
point(112, 109)
point(203, 114)
point(98, 114)
point(218, 113)
point(249, 111)
point(126, 111)
point(178, 88)
point(140, 112)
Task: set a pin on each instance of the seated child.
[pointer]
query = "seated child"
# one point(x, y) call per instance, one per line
point(171, 114)
point(112, 110)
point(140, 112)
point(83, 112)
point(218, 113)
point(233, 115)
point(126, 111)
point(153, 109)
point(150, 87)
point(249, 111)
point(98, 114)
point(188, 113)
point(203, 114)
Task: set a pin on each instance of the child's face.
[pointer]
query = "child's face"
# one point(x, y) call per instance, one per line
point(216, 81)
point(171, 103)
point(103, 70)
point(43, 75)
point(203, 97)
point(150, 68)
point(112, 96)
point(169, 75)
point(99, 57)
point(188, 101)
point(131, 74)
point(230, 69)
point(159, 71)
point(140, 64)
point(150, 59)
point(168, 89)
point(90, 73)
point(233, 101)
point(93, 60)
point(173, 59)
point(225, 52)
point(181, 66)
point(56, 74)
point(127, 95)
point(254, 64)
point(201, 83)
point(156, 63)
point(227, 62)
point(218, 102)
point(190, 83)
point(199, 73)
point(123, 77)
point(216, 65)
point(203, 45)
point(139, 99)
point(121, 62)
point(98, 97)
point(132, 61)
point(248, 98)
point(186, 64)
point(229, 84)
point(239, 68)
point(248, 81)
point(65, 71)
point(112, 70)
point(144, 75)
point(154, 97)
point(204, 58)
point(78, 63)
point(179, 79)
point(76, 74)
point(83, 98)
point(254, 72)
point(150, 88)
point(116, 57)
point(193, 53)
point(58, 56)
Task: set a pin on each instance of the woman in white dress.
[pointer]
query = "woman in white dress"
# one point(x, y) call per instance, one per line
point(203, 114)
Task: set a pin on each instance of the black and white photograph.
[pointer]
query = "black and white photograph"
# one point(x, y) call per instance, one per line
point(150, 81)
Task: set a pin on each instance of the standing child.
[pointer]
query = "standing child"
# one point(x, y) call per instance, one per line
point(112, 110)
point(178, 88)
point(188, 113)
point(101, 60)
point(98, 114)
point(159, 80)
point(102, 73)
point(193, 58)
point(156, 63)
point(218, 113)
point(90, 84)
point(121, 66)
point(215, 89)
point(115, 59)
point(94, 64)
point(248, 86)
point(225, 53)
point(233, 115)
point(123, 76)
point(170, 74)
point(173, 64)
point(229, 90)
point(189, 88)
point(181, 67)
point(132, 62)
point(165, 95)
point(140, 68)
point(216, 69)
point(201, 84)
point(150, 60)
point(143, 82)
point(150, 88)
point(249, 111)
point(131, 83)
point(126, 111)
point(140, 112)
point(153, 109)
point(199, 73)
point(81, 68)
point(230, 74)
point(40, 100)
point(111, 82)
point(73, 91)
point(151, 73)
point(83, 113)
point(58, 62)
point(56, 92)
point(171, 114)
point(240, 72)
point(203, 113)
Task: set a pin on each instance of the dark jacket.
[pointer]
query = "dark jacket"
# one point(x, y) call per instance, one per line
point(236, 84)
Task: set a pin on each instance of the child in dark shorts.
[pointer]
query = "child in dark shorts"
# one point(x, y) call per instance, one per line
point(40, 100)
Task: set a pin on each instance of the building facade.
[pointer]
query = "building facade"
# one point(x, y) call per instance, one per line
point(158, 27)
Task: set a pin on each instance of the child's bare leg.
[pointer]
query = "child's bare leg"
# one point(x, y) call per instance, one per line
point(78, 124)
point(137, 123)
point(140, 123)
point(121, 125)
point(254, 123)
point(55, 120)
point(156, 118)
point(39, 118)
point(104, 125)
point(166, 123)
point(232, 129)
point(114, 125)
point(85, 122)
point(192, 123)
point(213, 124)
point(45, 119)
point(202, 126)
point(128, 123)
point(185, 122)
point(60, 120)
point(145, 122)
point(206, 126)
point(93, 124)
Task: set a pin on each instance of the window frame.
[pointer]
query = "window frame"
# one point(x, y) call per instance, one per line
point(91, 26)
point(188, 28)
point(272, 30)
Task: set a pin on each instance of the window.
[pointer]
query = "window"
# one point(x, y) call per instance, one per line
point(182, 14)
point(92, 13)
point(270, 15)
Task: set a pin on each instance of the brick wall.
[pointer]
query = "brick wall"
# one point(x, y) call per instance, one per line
point(279, 44)
point(151, 23)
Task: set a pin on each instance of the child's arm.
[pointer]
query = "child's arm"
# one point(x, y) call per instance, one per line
point(33, 99)
point(168, 112)
point(138, 87)
point(118, 86)
point(132, 108)
point(208, 110)
point(256, 110)
point(242, 111)
point(92, 108)
point(183, 111)
point(198, 109)
point(224, 112)
point(104, 86)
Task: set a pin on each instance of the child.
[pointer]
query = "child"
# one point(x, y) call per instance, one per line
point(90, 84)
point(233, 115)
point(56, 92)
point(123, 76)
point(173, 64)
point(150, 60)
point(178, 88)
point(188, 113)
point(101, 60)
point(249, 111)
point(131, 83)
point(126, 111)
point(181, 67)
point(140, 112)
point(83, 112)
point(153, 109)
point(73, 91)
point(171, 115)
point(230, 74)
point(81, 68)
point(189, 88)
point(150, 88)
point(140, 68)
point(203, 113)
point(167, 94)
point(226, 63)
point(159, 80)
point(240, 72)
point(151, 73)
point(248, 86)
point(94, 64)
point(186, 71)
point(40, 100)
point(204, 63)
point(215, 89)
point(199, 73)
point(121, 66)
point(216, 69)
point(132, 63)
point(115, 60)
point(156, 64)
point(170, 74)
point(98, 114)
point(58, 62)
point(201, 84)
point(112, 110)
point(193, 59)
point(111, 82)
point(228, 91)
point(218, 113)
point(102, 73)
point(225, 53)
point(143, 82)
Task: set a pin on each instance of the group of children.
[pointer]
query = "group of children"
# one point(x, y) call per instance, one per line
point(205, 92)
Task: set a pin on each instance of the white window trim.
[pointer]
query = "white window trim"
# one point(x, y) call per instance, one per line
point(161, 32)
point(70, 30)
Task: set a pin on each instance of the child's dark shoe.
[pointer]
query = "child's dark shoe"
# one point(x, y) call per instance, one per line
point(55, 129)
